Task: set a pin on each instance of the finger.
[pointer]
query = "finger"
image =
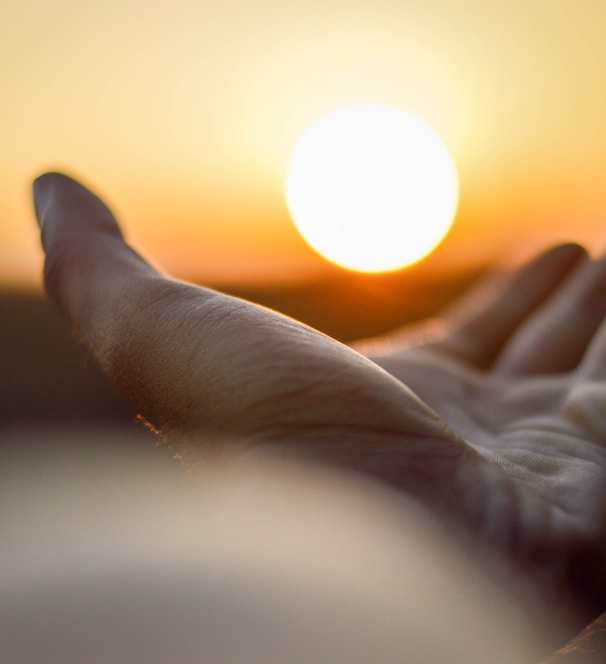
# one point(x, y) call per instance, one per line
point(479, 336)
point(556, 336)
point(194, 361)
point(84, 248)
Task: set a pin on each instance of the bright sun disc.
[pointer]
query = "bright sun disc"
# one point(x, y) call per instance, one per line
point(371, 188)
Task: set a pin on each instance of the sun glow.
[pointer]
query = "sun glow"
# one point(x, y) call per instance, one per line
point(371, 188)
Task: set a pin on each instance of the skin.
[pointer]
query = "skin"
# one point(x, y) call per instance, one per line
point(492, 417)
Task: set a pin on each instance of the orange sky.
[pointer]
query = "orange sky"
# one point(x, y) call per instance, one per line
point(185, 115)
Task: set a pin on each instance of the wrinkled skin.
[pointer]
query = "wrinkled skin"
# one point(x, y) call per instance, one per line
point(494, 416)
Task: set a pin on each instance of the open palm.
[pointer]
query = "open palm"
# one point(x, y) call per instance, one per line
point(520, 377)
point(496, 425)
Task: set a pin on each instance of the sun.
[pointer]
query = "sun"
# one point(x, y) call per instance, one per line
point(371, 188)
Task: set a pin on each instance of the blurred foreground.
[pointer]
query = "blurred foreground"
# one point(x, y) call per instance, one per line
point(114, 557)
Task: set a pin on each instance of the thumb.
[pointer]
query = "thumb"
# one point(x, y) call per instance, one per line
point(200, 365)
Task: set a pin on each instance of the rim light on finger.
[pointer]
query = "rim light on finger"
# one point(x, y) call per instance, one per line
point(372, 188)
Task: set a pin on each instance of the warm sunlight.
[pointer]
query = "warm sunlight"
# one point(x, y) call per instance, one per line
point(186, 115)
point(372, 188)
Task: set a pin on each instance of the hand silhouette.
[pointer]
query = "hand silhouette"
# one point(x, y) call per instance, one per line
point(494, 418)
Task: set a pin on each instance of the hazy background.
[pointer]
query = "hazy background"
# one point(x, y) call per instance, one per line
point(184, 115)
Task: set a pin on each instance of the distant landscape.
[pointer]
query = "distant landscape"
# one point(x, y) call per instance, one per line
point(47, 376)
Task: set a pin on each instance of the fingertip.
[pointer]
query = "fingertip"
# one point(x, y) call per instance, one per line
point(53, 177)
point(561, 253)
point(42, 191)
point(571, 250)
point(562, 260)
point(46, 177)
point(44, 188)
point(85, 251)
point(550, 266)
point(64, 205)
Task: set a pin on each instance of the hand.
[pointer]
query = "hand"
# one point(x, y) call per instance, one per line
point(516, 457)
point(519, 373)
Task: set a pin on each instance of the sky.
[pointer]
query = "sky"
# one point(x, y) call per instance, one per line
point(184, 115)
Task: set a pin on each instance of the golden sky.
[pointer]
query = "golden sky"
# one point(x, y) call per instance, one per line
point(185, 113)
